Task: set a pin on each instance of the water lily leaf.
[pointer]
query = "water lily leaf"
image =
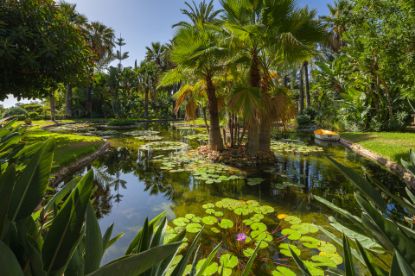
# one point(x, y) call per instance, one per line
point(310, 242)
point(327, 247)
point(224, 271)
point(210, 270)
point(291, 234)
point(210, 211)
point(189, 216)
point(266, 209)
point(284, 249)
point(262, 244)
point(226, 224)
point(209, 220)
point(215, 230)
point(181, 222)
point(218, 214)
point(283, 271)
point(228, 261)
point(193, 227)
point(208, 206)
point(292, 220)
point(248, 252)
point(324, 261)
point(242, 211)
point(259, 226)
point(305, 228)
point(247, 222)
point(333, 256)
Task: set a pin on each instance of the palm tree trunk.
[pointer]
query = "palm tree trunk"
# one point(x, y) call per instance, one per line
point(301, 98)
point(253, 125)
point(307, 84)
point(205, 118)
point(52, 107)
point(215, 138)
point(68, 101)
point(265, 136)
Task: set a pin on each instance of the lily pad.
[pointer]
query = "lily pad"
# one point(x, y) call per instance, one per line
point(193, 227)
point(259, 226)
point(215, 230)
point(181, 222)
point(209, 220)
point(210, 270)
point(228, 260)
point(292, 219)
point(226, 224)
point(208, 206)
point(291, 234)
point(248, 252)
point(305, 228)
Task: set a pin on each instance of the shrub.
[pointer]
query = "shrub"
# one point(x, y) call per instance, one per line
point(34, 116)
point(304, 120)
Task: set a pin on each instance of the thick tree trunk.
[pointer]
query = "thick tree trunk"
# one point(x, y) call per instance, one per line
point(68, 101)
point(215, 138)
point(253, 125)
point(52, 107)
point(146, 103)
point(307, 84)
point(301, 98)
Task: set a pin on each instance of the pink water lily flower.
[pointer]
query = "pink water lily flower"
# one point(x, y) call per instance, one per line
point(241, 237)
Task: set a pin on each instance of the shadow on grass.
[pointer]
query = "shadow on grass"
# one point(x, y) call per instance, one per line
point(357, 137)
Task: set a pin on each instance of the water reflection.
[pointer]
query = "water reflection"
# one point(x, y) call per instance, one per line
point(128, 190)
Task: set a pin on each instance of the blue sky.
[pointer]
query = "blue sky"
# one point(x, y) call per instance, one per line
point(141, 22)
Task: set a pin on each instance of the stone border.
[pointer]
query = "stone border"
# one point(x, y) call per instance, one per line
point(63, 172)
point(393, 167)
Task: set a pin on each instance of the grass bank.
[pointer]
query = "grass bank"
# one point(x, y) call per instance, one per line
point(392, 145)
point(69, 147)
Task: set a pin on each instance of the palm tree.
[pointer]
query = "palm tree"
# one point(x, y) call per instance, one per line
point(199, 15)
point(334, 23)
point(268, 32)
point(196, 51)
point(157, 52)
point(148, 73)
point(101, 41)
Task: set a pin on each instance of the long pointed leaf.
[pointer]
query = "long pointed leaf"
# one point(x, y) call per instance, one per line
point(299, 263)
point(368, 263)
point(209, 259)
point(249, 264)
point(348, 259)
point(136, 264)
point(181, 266)
point(8, 261)
point(93, 241)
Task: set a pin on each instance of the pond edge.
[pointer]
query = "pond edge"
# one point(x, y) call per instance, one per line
point(64, 172)
point(393, 167)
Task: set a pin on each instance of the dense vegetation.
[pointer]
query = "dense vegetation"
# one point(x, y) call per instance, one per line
point(241, 72)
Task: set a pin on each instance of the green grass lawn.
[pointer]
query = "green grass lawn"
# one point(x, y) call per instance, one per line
point(69, 147)
point(392, 145)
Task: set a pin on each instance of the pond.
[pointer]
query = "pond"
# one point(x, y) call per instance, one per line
point(144, 174)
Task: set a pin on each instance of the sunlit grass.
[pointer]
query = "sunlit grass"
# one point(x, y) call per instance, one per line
point(392, 145)
point(69, 147)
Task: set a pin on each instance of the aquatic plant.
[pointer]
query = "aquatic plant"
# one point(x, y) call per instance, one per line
point(141, 133)
point(289, 147)
point(149, 138)
point(164, 146)
point(200, 137)
point(247, 228)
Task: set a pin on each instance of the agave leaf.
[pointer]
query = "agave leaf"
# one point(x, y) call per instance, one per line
point(299, 263)
point(8, 262)
point(76, 265)
point(156, 241)
point(179, 269)
point(93, 241)
point(66, 229)
point(136, 264)
point(366, 242)
point(361, 184)
point(410, 194)
point(248, 266)
point(209, 259)
point(348, 259)
point(395, 269)
point(60, 195)
point(135, 243)
point(403, 265)
point(370, 266)
point(30, 186)
point(390, 232)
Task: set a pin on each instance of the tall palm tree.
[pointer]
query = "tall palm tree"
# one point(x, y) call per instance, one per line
point(196, 50)
point(101, 41)
point(157, 52)
point(148, 73)
point(335, 24)
point(200, 14)
point(266, 32)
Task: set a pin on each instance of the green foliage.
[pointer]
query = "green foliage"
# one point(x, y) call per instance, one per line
point(394, 234)
point(55, 56)
point(17, 112)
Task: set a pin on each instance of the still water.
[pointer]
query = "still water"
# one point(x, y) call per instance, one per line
point(132, 188)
